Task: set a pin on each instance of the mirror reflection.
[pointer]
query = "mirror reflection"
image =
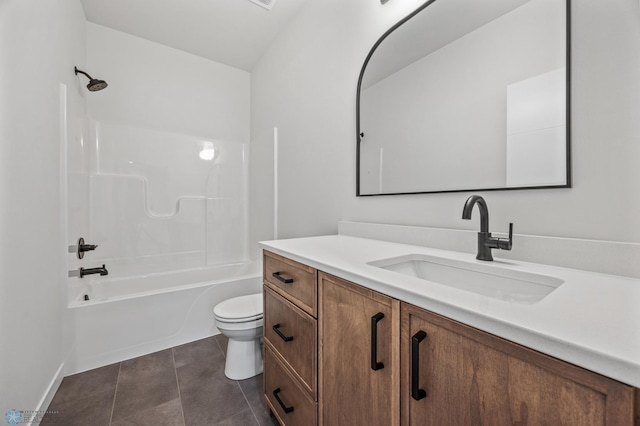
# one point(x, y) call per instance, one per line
point(467, 95)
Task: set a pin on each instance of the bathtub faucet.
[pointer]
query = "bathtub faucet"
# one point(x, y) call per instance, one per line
point(102, 271)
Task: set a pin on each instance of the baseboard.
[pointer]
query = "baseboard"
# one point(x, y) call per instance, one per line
point(47, 397)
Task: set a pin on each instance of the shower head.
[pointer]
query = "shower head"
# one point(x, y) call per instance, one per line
point(94, 84)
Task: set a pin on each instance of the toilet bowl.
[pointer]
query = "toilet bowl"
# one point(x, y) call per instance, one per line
point(240, 319)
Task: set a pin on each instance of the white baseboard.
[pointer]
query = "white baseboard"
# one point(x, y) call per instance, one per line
point(48, 395)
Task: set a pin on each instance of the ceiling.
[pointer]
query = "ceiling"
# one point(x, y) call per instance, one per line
point(233, 32)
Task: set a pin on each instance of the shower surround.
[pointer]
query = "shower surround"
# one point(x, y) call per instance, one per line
point(169, 215)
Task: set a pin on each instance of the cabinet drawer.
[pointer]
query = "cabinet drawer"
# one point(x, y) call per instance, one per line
point(295, 281)
point(288, 401)
point(293, 334)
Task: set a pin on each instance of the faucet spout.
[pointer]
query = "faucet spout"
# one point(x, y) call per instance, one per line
point(484, 211)
point(90, 271)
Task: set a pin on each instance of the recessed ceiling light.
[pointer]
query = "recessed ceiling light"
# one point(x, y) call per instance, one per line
point(267, 4)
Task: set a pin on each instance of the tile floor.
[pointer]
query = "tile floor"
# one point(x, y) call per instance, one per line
point(180, 386)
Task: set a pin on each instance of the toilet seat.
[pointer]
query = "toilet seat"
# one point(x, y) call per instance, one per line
point(228, 326)
point(239, 309)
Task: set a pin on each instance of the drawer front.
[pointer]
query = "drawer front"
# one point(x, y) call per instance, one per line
point(289, 402)
point(295, 281)
point(293, 334)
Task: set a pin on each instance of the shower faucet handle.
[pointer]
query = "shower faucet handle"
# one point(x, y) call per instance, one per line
point(82, 248)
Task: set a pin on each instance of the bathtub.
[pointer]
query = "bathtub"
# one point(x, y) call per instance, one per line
point(132, 316)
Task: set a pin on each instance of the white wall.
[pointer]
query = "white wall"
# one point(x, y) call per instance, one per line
point(40, 42)
point(305, 85)
point(158, 87)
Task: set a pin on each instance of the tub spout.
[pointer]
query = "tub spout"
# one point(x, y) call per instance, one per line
point(101, 270)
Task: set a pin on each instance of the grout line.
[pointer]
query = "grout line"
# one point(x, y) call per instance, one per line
point(115, 393)
point(248, 403)
point(224, 353)
point(175, 370)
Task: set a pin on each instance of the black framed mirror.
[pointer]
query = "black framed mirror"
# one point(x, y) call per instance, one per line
point(467, 95)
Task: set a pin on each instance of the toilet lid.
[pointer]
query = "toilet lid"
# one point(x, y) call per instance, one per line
point(243, 307)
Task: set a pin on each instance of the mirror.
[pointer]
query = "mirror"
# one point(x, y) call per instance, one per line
point(467, 95)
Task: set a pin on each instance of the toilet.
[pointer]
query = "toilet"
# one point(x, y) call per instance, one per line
point(240, 319)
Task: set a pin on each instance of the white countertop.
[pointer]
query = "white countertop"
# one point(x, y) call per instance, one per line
point(592, 320)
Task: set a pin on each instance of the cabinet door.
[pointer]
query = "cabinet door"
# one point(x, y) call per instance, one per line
point(468, 377)
point(359, 355)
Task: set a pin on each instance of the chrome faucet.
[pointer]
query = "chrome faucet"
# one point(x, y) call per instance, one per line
point(485, 241)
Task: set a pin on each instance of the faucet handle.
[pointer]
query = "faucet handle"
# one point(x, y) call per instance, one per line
point(506, 244)
point(81, 248)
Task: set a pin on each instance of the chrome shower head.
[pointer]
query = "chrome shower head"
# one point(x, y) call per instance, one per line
point(94, 84)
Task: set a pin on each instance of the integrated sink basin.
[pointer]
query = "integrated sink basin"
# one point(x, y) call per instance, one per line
point(487, 279)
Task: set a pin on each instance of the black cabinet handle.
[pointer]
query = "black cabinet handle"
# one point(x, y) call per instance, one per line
point(279, 333)
point(286, 409)
point(416, 392)
point(279, 277)
point(375, 365)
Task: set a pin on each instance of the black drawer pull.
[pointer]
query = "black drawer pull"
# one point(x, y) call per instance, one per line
point(281, 278)
point(286, 409)
point(416, 392)
point(375, 365)
point(279, 333)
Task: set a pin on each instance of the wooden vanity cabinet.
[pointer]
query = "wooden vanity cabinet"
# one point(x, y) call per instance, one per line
point(359, 357)
point(453, 374)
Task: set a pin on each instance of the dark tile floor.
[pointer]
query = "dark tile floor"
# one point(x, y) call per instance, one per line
point(181, 386)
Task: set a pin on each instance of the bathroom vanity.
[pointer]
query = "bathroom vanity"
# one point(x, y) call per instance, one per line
point(354, 335)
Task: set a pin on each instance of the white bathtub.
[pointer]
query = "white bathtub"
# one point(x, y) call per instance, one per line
point(133, 316)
